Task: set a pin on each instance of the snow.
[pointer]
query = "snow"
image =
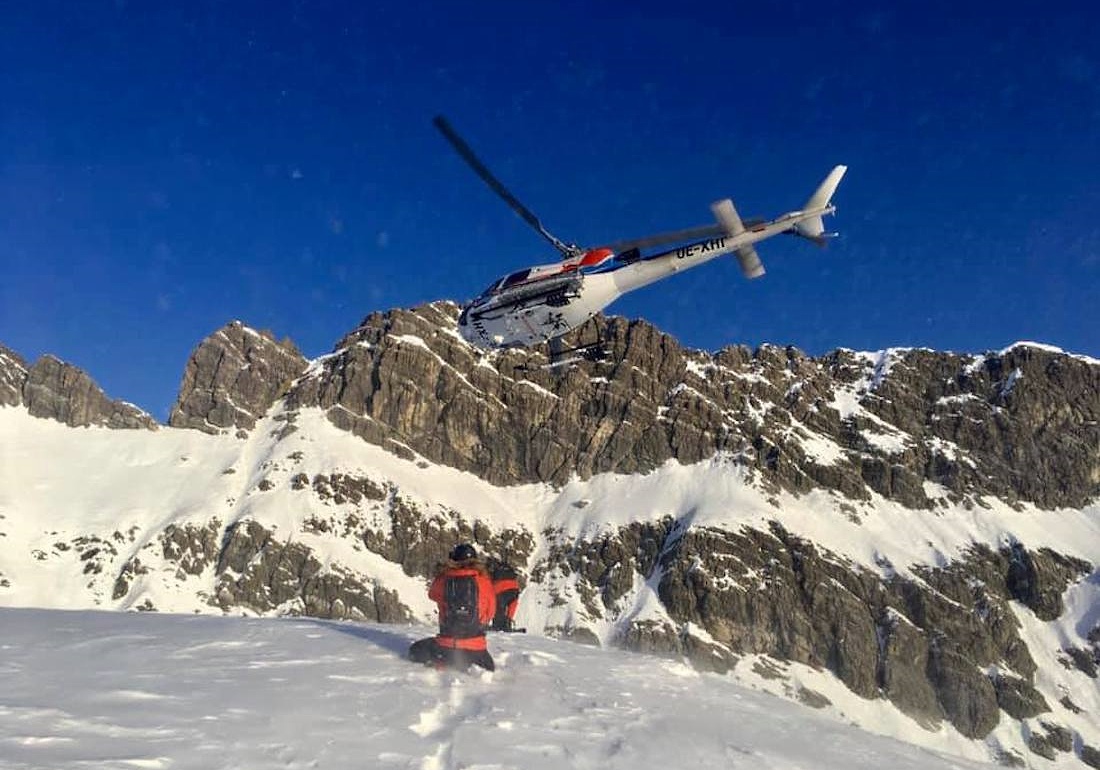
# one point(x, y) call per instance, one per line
point(819, 448)
point(7, 362)
point(950, 450)
point(882, 362)
point(1048, 349)
point(1010, 382)
point(175, 691)
point(58, 483)
point(846, 399)
point(1047, 639)
point(889, 443)
point(979, 360)
point(412, 339)
point(960, 398)
point(700, 369)
point(316, 367)
point(539, 389)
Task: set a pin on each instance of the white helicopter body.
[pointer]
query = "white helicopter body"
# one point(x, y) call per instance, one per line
point(542, 303)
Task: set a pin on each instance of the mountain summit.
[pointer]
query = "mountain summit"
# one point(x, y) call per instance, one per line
point(920, 524)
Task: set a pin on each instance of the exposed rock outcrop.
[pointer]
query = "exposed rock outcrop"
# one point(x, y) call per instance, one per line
point(922, 429)
point(257, 571)
point(52, 389)
point(233, 378)
point(13, 374)
point(1023, 425)
point(922, 643)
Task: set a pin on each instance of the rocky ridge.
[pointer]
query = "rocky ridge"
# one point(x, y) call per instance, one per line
point(52, 389)
point(926, 430)
point(1022, 425)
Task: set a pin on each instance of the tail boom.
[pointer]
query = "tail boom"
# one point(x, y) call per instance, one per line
point(736, 239)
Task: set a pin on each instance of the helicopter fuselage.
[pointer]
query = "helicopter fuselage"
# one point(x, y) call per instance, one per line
point(544, 302)
point(541, 303)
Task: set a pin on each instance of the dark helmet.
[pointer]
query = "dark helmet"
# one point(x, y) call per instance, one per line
point(463, 552)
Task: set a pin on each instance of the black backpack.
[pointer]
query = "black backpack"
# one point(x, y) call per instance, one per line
point(460, 597)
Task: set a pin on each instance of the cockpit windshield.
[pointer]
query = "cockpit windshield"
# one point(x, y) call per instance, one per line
point(490, 289)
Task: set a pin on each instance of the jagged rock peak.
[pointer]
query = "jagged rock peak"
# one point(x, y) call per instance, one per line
point(233, 377)
point(917, 426)
point(55, 390)
point(13, 374)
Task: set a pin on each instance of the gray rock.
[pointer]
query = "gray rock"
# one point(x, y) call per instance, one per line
point(1069, 705)
point(259, 572)
point(13, 375)
point(192, 548)
point(1087, 661)
point(920, 643)
point(1039, 744)
point(232, 379)
point(1023, 425)
point(59, 391)
point(1018, 698)
point(903, 671)
point(966, 695)
point(1038, 580)
point(1057, 736)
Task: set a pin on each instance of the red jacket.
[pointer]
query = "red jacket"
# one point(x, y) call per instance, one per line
point(506, 588)
point(486, 604)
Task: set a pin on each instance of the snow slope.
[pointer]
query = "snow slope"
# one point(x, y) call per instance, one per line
point(59, 485)
point(58, 482)
point(149, 692)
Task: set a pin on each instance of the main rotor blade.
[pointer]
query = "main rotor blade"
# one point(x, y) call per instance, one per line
point(496, 186)
point(648, 242)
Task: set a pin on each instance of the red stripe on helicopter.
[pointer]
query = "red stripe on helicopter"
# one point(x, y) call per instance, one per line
point(596, 257)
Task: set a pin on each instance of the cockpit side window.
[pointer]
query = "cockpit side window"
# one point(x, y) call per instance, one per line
point(514, 278)
point(506, 282)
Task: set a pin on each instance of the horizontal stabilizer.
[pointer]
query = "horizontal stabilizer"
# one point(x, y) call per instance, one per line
point(731, 223)
point(727, 217)
point(750, 262)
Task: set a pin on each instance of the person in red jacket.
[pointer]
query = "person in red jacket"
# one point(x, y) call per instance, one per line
point(467, 603)
point(506, 587)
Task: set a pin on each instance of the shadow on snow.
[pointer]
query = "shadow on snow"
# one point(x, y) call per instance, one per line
point(395, 641)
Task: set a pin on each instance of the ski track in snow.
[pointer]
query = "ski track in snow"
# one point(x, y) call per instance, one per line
point(136, 690)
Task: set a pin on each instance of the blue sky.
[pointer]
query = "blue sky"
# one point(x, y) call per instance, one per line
point(166, 170)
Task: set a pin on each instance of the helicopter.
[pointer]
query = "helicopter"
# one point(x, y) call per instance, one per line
point(542, 303)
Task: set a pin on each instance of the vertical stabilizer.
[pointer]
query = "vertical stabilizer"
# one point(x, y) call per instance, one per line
point(814, 227)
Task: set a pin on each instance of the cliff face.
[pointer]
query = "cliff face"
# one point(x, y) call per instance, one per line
point(13, 373)
point(927, 433)
point(921, 428)
point(232, 378)
point(922, 642)
point(52, 389)
point(1023, 425)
